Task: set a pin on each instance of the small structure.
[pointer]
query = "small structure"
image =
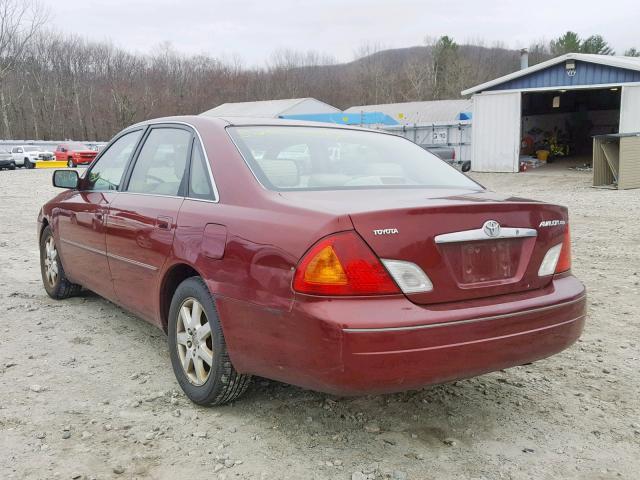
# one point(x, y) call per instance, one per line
point(271, 108)
point(616, 161)
point(409, 113)
point(561, 103)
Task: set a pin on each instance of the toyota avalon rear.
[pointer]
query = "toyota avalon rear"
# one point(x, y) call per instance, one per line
point(338, 259)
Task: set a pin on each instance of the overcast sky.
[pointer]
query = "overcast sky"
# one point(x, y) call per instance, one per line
point(254, 29)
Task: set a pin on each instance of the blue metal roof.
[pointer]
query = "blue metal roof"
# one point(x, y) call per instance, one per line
point(370, 118)
point(587, 73)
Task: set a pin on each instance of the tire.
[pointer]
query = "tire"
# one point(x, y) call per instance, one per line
point(12, 166)
point(59, 287)
point(222, 383)
point(28, 164)
point(70, 164)
point(466, 166)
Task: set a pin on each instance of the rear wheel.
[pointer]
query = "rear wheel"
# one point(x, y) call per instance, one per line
point(54, 279)
point(27, 163)
point(70, 163)
point(198, 350)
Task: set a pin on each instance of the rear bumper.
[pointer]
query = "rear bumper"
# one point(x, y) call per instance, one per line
point(379, 345)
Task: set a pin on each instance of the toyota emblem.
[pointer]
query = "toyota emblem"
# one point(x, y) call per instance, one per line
point(491, 228)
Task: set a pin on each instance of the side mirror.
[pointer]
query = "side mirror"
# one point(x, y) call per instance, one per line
point(66, 179)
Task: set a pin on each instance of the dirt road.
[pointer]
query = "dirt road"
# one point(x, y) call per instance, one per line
point(87, 391)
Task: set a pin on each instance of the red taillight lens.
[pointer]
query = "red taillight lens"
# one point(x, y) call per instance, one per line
point(564, 262)
point(342, 264)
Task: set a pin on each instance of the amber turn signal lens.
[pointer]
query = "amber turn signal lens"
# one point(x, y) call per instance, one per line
point(325, 268)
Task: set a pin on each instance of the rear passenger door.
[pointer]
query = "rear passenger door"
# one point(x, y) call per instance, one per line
point(200, 237)
point(142, 219)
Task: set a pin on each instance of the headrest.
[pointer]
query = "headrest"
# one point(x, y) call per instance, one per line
point(281, 173)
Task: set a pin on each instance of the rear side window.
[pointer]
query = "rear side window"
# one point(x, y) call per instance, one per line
point(106, 174)
point(161, 164)
point(320, 158)
point(199, 182)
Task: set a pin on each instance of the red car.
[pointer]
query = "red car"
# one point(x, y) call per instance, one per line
point(338, 259)
point(75, 154)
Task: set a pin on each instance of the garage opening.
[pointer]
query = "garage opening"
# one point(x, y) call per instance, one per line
point(558, 126)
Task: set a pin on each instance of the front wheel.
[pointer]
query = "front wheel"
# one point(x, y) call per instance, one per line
point(70, 163)
point(54, 279)
point(198, 350)
point(12, 166)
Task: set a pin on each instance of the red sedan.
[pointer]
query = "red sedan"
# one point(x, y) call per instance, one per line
point(338, 259)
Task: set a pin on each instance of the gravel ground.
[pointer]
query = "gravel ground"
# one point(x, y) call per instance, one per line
point(87, 390)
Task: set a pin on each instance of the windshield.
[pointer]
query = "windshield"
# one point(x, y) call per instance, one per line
point(78, 146)
point(30, 149)
point(320, 158)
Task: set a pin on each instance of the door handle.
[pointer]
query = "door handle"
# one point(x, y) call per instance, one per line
point(164, 223)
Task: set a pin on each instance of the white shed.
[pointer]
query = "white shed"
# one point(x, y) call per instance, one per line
point(574, 96)
point(271, 108)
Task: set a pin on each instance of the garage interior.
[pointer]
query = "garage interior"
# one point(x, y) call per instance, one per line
point(564, 122)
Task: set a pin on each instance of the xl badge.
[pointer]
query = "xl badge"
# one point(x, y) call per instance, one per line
point(491, 228)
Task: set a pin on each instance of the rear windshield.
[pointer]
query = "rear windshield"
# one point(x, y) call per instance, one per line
point(317, 158)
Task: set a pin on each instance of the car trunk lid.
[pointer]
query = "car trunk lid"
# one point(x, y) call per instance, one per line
point(470, 248)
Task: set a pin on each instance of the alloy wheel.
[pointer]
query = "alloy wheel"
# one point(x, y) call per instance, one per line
point(194, 341)
point(51, 261)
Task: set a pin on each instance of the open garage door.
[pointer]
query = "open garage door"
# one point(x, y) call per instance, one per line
point(495, 143)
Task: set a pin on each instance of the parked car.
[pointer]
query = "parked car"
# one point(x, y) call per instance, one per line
point(27, 155)
point(75, 153)
point(6, 160)
point(448, 154)
point(379, 268)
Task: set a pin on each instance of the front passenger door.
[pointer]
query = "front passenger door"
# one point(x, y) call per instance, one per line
point(142, 219)
point(80, 221)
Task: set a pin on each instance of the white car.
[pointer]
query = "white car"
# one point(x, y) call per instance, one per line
point(26, 155)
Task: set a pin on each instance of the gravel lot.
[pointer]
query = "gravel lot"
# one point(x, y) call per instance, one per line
point(87, 390)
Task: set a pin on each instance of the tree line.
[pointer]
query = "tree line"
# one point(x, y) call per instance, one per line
point(58, 86)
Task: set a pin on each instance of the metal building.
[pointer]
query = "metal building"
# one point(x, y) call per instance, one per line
point(409, 113)
point(271, 108)
point(343, 118)
point(576, 96)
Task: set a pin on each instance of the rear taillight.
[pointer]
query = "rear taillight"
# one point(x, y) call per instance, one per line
point(564, 262)
point(558, 258)
point(342, 264)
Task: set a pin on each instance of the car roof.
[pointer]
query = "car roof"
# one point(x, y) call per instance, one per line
point(226, 121)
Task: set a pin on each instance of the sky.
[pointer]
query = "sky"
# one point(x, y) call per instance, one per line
point(253, 30)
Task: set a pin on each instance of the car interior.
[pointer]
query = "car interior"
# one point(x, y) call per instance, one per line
point(319, 158)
